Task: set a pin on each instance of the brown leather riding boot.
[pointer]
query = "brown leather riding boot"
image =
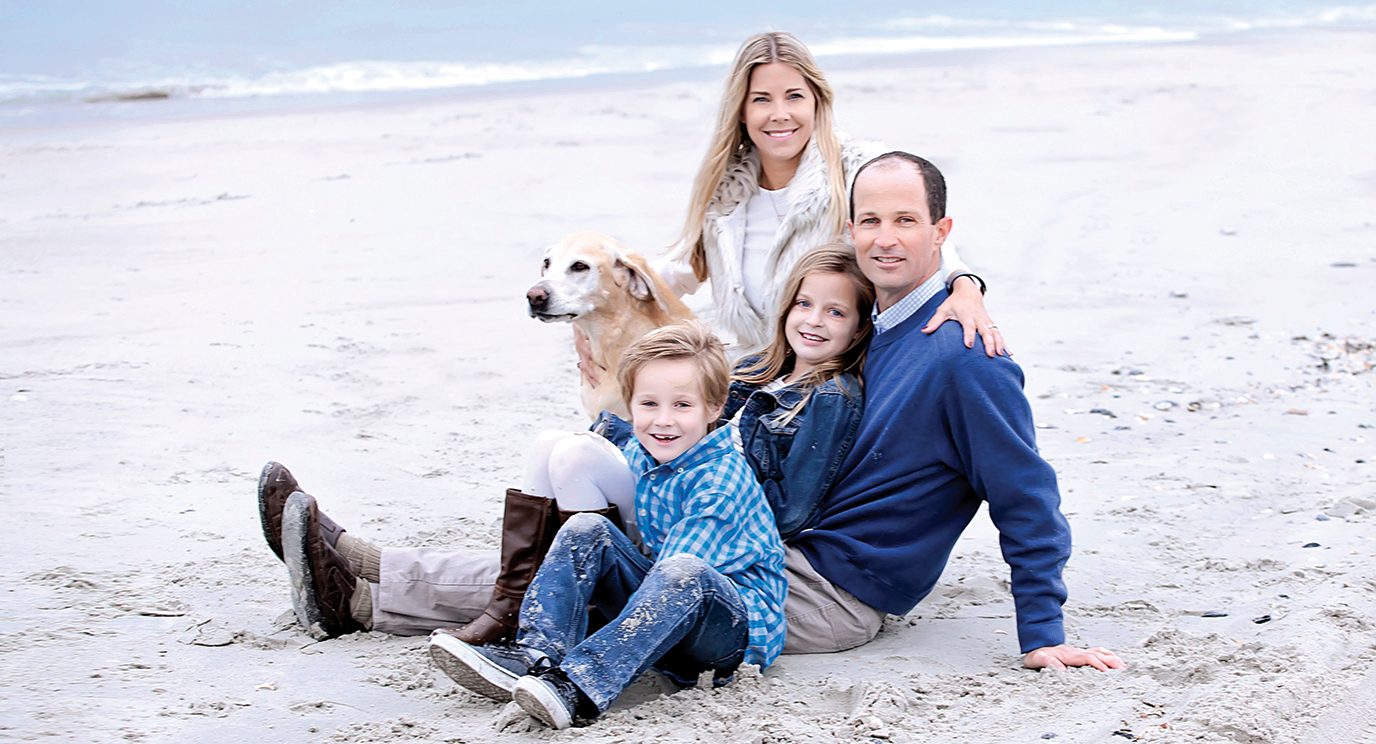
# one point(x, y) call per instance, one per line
point(529, 524)
point(528, 527)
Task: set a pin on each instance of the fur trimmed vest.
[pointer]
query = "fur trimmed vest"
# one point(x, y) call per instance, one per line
point(803, 228)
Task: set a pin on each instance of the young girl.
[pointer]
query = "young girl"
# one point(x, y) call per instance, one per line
point(798, 403)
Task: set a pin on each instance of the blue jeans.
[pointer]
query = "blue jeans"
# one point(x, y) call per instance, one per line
point(678, 614)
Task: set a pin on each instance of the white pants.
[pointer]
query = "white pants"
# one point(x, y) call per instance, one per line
point(583, 472)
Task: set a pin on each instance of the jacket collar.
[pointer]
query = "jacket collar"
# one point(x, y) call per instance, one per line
point(716, 444)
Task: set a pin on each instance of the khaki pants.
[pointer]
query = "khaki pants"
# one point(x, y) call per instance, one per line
point(427, 588)
point(822, 617)
point(422, 589)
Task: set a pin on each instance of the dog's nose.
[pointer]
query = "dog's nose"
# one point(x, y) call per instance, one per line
point(538, 297)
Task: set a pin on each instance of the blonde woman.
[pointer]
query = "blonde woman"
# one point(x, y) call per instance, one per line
point(771, 188)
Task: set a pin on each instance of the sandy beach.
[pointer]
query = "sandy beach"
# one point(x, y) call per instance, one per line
point(1180, 244)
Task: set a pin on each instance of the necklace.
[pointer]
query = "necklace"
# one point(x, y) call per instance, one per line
point(774, 202)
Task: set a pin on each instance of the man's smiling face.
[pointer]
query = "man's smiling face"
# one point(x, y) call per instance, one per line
point(896, 242)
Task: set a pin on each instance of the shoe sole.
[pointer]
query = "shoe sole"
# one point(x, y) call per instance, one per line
point(470, 669)
point(537, 699)
point(295, 529)
point(263, 509)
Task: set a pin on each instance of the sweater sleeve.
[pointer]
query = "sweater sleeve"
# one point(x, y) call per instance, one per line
point(991, 429)
point(678, 274)
point(951, 263)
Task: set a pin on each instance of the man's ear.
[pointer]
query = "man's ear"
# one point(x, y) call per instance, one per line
point(850, 228)
point(943, 229)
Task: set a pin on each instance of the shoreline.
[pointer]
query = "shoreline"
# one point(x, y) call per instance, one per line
point(140, 105)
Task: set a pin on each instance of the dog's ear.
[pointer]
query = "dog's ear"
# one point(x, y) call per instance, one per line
point(633, 272)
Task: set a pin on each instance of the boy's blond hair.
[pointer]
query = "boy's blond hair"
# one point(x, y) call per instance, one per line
point(687, 340)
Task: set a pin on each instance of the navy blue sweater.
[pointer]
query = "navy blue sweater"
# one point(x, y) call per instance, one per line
point(944, 427)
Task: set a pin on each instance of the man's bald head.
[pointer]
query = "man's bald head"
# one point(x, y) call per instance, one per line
point(932, 180)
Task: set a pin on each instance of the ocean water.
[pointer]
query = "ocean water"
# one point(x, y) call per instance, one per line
point(79, 54)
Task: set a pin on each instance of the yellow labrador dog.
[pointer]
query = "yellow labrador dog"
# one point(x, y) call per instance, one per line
point(612, 296)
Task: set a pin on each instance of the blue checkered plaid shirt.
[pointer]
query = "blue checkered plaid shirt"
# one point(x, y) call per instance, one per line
point(707, 503)
point(904, 308)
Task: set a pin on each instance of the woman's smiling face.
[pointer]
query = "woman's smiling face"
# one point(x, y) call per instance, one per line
point(778, 113)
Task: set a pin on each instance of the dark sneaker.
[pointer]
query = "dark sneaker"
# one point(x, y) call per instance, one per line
point(321, 581)
point(275, 484)
point(490, 671)
point(549, 695)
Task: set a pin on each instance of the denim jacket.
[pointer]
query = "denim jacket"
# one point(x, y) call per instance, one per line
point(796, 463)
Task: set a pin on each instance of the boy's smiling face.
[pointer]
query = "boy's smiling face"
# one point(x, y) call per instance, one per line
point(668, 411)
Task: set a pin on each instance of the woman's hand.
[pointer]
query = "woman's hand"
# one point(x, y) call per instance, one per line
point(966, 307)
point(591, 371)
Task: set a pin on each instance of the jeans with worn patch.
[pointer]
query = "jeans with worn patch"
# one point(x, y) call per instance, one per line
point(678, 614)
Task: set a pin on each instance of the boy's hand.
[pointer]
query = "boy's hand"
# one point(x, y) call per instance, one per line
point(1062, 656)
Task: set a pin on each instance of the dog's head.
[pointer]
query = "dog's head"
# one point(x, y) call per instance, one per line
point(586, 272)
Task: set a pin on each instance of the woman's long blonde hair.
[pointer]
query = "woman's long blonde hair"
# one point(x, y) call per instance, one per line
point(730, 137)
point(778, 357)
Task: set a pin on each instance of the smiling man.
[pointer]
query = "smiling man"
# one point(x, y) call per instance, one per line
point(943, 430)
point(899, 228)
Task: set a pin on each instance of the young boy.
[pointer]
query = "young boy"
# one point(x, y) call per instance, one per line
point(711, 594)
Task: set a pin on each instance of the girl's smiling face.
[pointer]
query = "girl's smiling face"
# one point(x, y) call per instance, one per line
point(823, 320)
point(668, 412)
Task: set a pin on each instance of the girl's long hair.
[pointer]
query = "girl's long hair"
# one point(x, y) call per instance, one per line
point(730, 137)
point(778, 357)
